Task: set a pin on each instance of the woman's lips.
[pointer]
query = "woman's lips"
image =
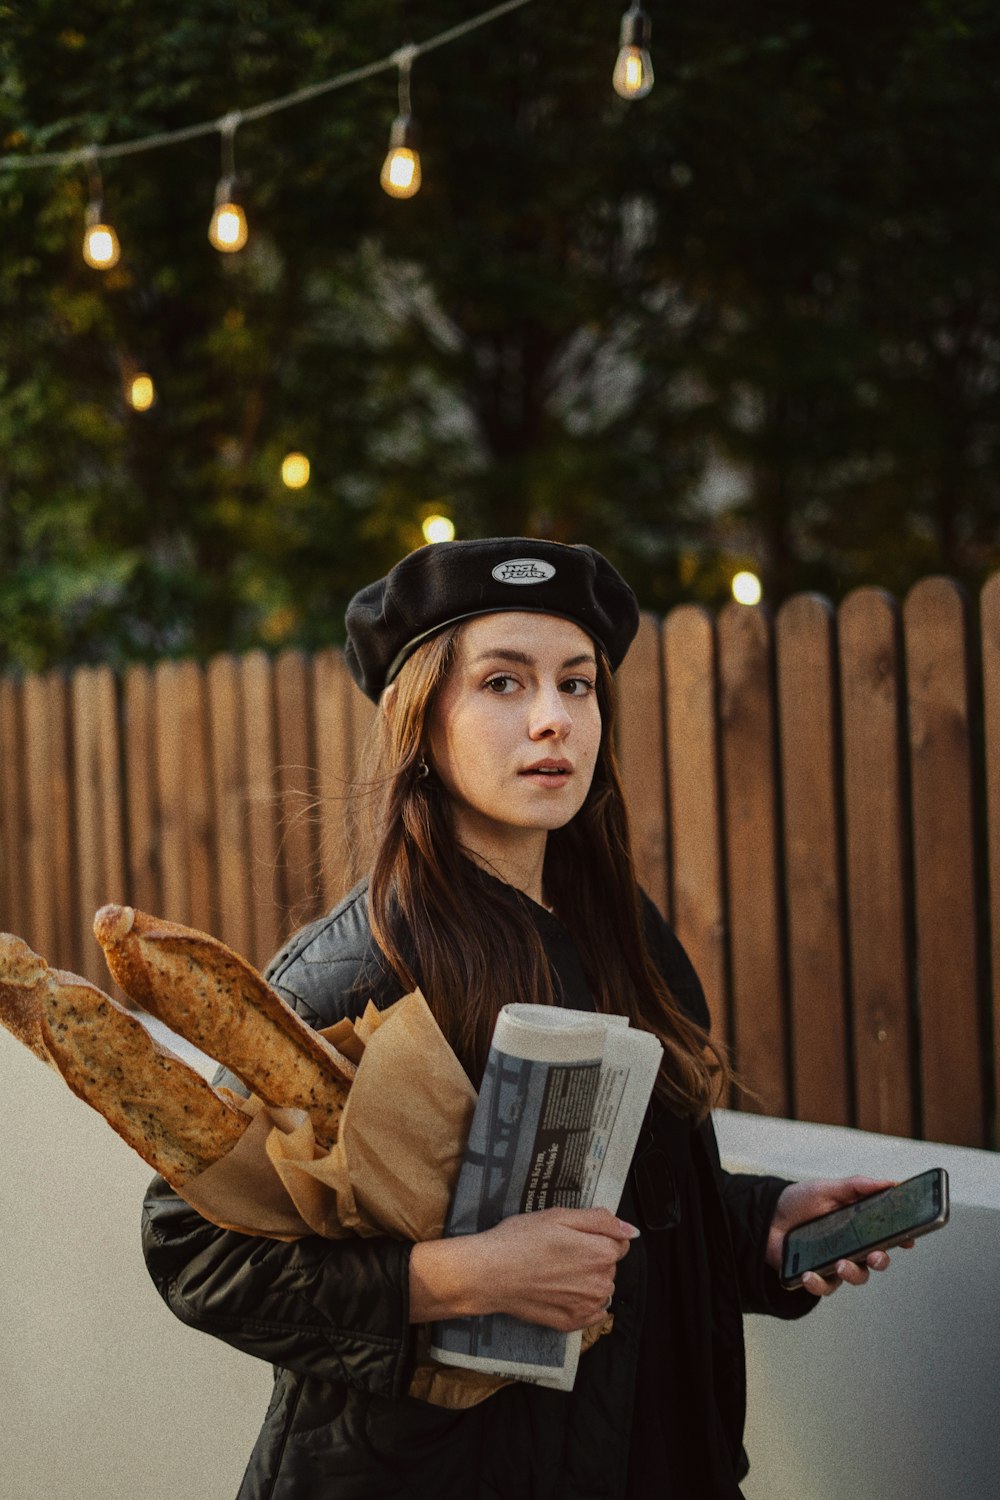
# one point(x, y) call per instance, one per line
point(548, 772)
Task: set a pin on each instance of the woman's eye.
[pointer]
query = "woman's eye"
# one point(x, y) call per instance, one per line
point(578, 687)
point(500, 684)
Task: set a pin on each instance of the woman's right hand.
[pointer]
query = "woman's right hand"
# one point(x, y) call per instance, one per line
point(555, 1267)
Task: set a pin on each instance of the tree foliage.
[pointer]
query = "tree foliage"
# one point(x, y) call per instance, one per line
point(754, 318)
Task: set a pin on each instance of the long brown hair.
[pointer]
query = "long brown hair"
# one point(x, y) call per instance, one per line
point(444, 923)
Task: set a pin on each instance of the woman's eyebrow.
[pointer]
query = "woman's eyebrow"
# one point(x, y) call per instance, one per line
point(523, 659)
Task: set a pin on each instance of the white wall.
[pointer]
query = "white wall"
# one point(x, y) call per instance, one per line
point(884, 1393)
point(103, 1394)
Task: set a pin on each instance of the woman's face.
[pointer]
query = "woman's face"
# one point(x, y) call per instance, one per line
point(516, 727)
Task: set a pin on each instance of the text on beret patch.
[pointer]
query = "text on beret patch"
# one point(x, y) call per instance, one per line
point(523, 570)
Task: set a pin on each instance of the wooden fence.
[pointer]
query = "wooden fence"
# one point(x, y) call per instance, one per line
point(815, 803)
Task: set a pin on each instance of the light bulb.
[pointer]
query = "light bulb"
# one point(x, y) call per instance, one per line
point(400, 176)
point(295, 471)
point(747, 588)
point(633, 75)
point(228, 228)
point(141, 393)
point(438, 529)
point(100, 243)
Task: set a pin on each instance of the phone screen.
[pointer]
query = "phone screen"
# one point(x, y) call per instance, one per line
point(849, 1231)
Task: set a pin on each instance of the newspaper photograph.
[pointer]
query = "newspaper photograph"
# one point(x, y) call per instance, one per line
point(557, 1119)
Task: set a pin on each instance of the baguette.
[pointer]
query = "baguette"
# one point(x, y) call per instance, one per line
point(162, 1108)
point(206, 992)
point(23, 983)
point(156, 1103)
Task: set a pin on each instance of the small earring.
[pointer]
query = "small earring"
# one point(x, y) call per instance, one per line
point(423, 769)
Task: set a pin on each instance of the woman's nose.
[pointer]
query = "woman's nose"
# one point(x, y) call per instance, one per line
point(550, 716)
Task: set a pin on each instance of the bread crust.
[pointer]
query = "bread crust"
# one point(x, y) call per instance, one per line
point(213, 997)
point(23, 984)
point(161, 1107)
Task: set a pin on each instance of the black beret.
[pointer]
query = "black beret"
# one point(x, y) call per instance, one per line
point(445, 582)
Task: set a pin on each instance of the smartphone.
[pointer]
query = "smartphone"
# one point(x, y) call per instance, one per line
point(903, 1212)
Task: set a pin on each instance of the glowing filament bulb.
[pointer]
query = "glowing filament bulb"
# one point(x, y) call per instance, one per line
point(400, 176)
point(141, 393)
point(100, 243)
point(401, 172)
point(228, 229)
point(438, 529)
point(633, 75)
point(747, 588)
point(295, 471)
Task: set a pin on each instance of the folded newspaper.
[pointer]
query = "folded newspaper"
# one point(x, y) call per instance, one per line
point(555, 1126)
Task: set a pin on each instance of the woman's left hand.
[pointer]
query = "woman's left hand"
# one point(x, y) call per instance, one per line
point(802, 1201)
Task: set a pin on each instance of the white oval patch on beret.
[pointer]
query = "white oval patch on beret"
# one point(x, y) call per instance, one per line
point(524, 570)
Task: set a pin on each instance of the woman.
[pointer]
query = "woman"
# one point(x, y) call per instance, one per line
point(501, 868)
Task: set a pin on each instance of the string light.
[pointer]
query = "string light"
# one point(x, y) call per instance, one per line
point(438, 529)
point(304, 95)
point(747, 588)
point(100, 243)
point(400, 176)
point(295, 471)
point(633, 75)
point(228, 229)
point(141, 392)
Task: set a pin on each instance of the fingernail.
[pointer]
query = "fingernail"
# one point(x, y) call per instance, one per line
point(628, 1230)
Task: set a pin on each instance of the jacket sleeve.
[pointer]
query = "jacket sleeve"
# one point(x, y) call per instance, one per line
point(335, 1309)
point(749, 1200)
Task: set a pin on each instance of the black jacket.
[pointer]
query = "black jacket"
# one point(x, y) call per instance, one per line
point(332, 1316)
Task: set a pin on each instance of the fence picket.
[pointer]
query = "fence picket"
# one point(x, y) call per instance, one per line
point(52, 931)
point(62, 814)
point(183, 794)
point(947, 940)
point(296, 789)
point(641, 755)
point(14, 914)
point(224, 703)
point(260, 750)
point(991, 726)
point(99, 812)
point(698, 897)
point(334, 736)
point(871, 691)
point(34, 851)
point(810, 791)
point(752, 854)
point(143, 887)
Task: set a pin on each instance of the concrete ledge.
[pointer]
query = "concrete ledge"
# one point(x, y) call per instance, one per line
point(796, 1149)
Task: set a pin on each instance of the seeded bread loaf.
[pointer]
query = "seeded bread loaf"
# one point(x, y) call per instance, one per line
point(23, 983)
point(162, 1108)
point(213, 997)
